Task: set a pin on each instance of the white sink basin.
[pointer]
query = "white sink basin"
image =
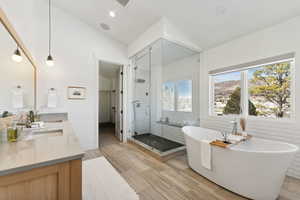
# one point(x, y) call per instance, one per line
point(47, 132)
point(34, 134)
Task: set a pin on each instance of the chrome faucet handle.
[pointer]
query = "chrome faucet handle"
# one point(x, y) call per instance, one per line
point(234, 127)
point(226, 135)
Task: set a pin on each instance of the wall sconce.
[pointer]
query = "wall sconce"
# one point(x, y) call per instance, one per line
point(17, 57)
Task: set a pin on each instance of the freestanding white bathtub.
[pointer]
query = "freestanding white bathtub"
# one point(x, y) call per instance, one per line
point(254, 169)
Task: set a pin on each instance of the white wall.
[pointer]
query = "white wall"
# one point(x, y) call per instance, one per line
point(156, 96)
point(276, 40)
point(161, 29)
point(107, 98)
point(152, 34)
point(184, 69)
point(172, 33)
point(104, 106)
point(77, 48)
point(105, 83)
point(105, 87)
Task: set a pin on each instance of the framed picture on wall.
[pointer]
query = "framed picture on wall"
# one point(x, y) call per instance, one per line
point(76, 92)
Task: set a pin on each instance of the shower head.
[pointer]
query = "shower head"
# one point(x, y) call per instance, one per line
point(140, 80)
point(136, 101)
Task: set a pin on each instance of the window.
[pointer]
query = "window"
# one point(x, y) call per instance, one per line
point(169, 96)
point(177, 96)
point(270, 90)
point(227, 93)
point(184, 96)
point(265, 92)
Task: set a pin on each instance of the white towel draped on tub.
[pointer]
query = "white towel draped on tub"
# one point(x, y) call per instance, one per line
point(206, 154)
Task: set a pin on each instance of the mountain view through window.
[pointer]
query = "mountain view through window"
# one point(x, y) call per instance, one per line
point(269, 91)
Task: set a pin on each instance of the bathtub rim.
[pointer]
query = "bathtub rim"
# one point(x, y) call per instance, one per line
point(292, 147)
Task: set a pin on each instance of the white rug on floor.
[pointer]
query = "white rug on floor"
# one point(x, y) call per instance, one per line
point(101, 181)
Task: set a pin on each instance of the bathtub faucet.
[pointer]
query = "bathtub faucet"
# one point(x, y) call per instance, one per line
point(234, 128)
point(225, 136)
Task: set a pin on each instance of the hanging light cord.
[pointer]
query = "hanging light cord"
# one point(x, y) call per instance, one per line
point(50, 28)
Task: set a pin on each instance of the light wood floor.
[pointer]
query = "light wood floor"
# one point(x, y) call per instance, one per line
point(106, 136)
point(173, 180)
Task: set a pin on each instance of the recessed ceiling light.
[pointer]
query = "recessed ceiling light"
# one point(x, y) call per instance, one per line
point(105, 27)
point(112, 13)
point(17, 57)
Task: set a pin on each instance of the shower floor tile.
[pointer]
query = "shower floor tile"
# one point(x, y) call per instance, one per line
point(157, 142)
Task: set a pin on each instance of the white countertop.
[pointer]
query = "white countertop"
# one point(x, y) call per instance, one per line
point(42, 151)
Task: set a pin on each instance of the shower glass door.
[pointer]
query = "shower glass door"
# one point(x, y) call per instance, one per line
point(142, 99)
point(164, 97)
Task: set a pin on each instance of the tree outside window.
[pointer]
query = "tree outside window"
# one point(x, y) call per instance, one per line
point(269, 89)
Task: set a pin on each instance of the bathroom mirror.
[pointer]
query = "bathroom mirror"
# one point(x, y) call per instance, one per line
point(17, 72)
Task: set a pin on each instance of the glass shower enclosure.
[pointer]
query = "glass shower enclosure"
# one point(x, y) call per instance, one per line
point(163, 78)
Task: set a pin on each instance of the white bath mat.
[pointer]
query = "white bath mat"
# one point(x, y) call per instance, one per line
point(102, 182)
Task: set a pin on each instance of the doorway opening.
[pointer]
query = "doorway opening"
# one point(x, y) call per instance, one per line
point(110, 112)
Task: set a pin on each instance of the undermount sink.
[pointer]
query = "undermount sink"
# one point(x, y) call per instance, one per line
point(42, 132)
point(34, 134)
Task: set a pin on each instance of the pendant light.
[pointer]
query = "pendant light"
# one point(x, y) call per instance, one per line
point(50, 61)
point(17, 57)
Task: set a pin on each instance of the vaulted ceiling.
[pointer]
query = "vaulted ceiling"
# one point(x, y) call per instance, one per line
point(207, 22)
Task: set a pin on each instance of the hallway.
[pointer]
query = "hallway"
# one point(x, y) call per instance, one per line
point(107, 135)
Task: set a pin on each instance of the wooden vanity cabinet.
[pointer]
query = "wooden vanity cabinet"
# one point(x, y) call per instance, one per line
point(62, 181)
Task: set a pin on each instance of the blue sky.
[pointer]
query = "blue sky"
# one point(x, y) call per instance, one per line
point(251, 72)
point(228, 77)
point(184, 87)
point(233, 76)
